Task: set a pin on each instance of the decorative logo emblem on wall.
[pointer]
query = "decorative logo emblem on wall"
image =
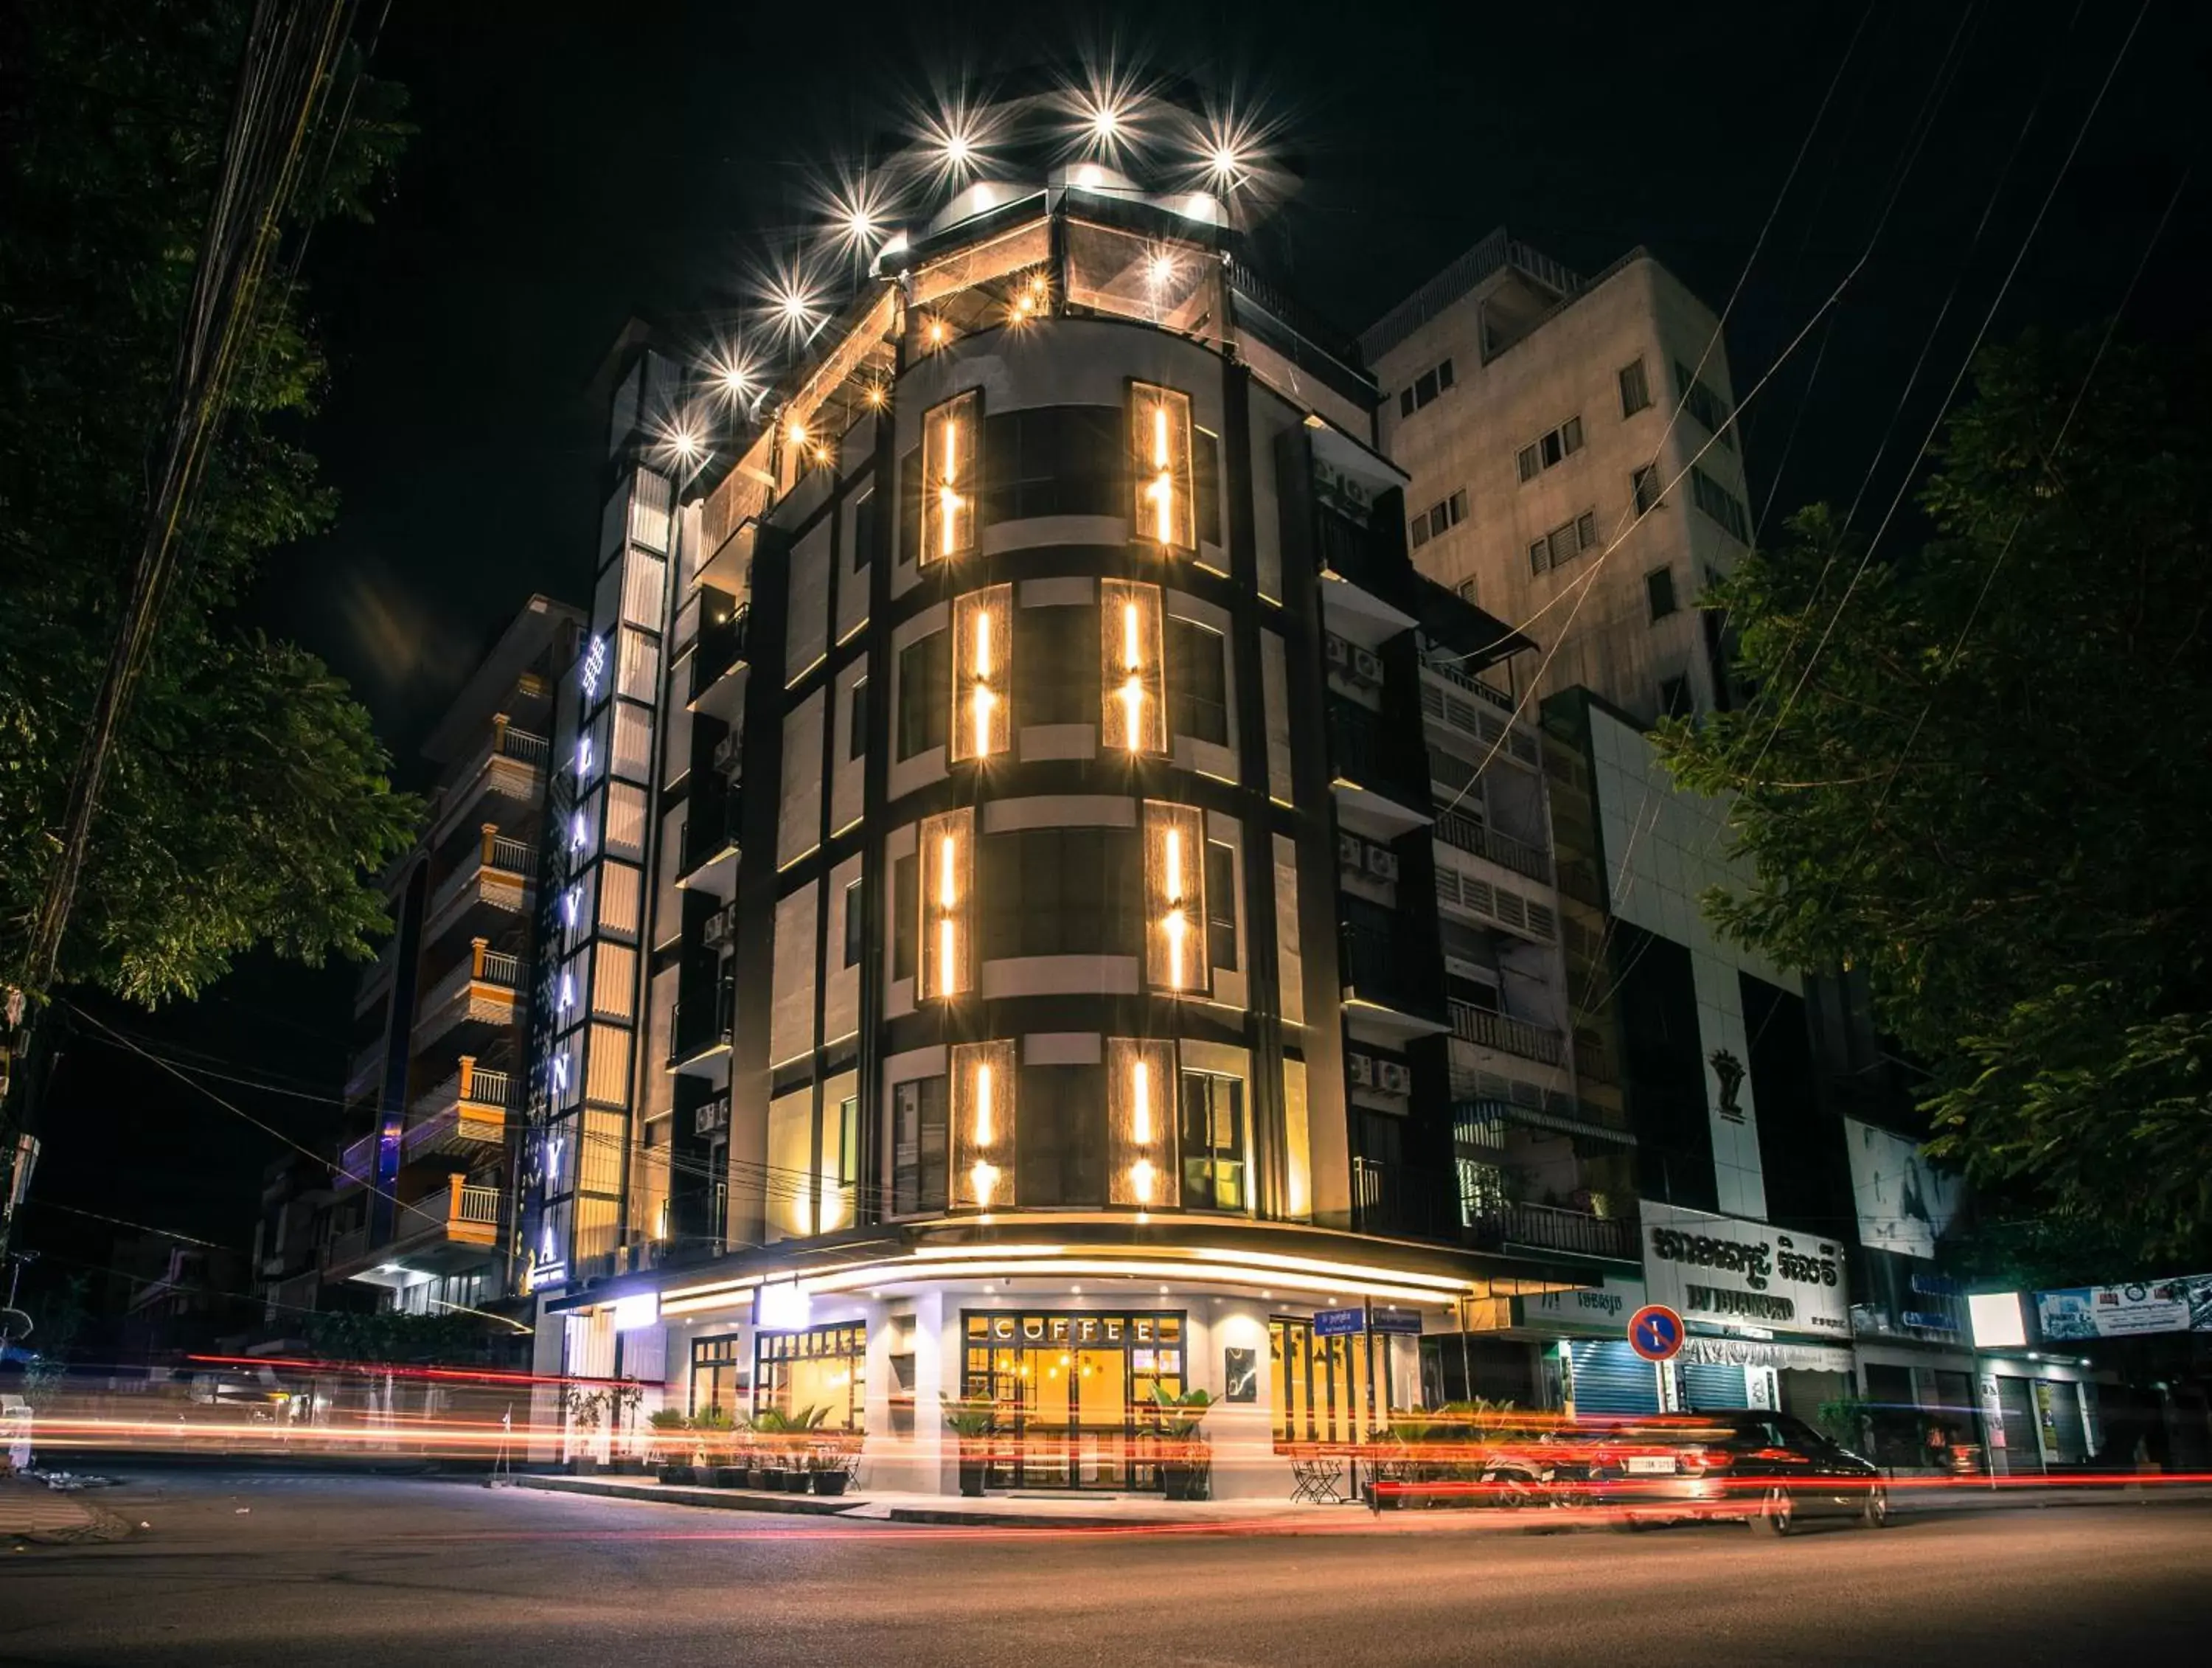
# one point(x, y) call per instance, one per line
point(1729, 1070)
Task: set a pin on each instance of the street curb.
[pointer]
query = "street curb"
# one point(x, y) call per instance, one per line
point(726, 1500)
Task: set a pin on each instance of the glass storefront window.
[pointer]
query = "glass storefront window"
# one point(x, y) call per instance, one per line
point(824, 1366)
point(1321, 1384)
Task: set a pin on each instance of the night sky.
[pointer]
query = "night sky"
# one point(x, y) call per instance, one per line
point(577, 165)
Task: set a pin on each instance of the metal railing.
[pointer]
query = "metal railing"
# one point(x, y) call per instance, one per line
point(1555, 1228)
point(1378, 968)
point(1457, 828)
point(515, 856)
point(1474, 686)
point(1363, 752)
point(354, 1162)
point(521, 744)
point(1507, 1035)
point(473, 1203)
point(499, 966)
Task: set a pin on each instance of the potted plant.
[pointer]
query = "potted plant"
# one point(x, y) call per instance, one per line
point(831, 1462)
point(671, 1453)
point(583, 1407)
point(717, 1431)
point(622, 1404)
point(1185, 1456)
point(973, 1421)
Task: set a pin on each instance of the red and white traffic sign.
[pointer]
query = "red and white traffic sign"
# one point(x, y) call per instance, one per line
point(1655, 1332)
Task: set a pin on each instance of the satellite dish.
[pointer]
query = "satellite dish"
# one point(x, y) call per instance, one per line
point(14, 1325)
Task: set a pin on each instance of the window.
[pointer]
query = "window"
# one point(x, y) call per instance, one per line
point(1646, 483)
point(1439, 518)
point(1052, 461)
point(1162, 504)
point(1221, 904)
point(1061, 1156)
point(1056, 664)
point(856, 720)
point(1425, 388)
point(918, 1147)
point(1550, 449)
point(1659, 592)
point(864, 530)
point(1702, 403)
point(1467, 592)
point(1635, 389)
point(1718, 502)
point(1564, 543)
point(951, 433)
point(905, 879)
point(1198, 683)
point(925, 694)
point(1212, 1141)
point(1206, 487)
point(853, 919)
point(1061, 892)
point(1674, 697)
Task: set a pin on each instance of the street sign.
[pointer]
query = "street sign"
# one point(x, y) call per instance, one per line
point(1336, 1323)
point(1654, 1332)
point(1393, 1320)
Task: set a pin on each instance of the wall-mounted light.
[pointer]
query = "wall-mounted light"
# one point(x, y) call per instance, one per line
point(1141, 1123)
point(1174, 897)
point(951, 443)
point(1133, 716)
point(1160, 446)
point(945, 870)
point(982, 662)
point(983, 1114)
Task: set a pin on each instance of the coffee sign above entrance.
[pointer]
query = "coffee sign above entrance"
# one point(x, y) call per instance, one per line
point(1727, 1271)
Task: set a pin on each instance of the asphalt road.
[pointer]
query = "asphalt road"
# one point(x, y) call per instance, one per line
point(339, 1570)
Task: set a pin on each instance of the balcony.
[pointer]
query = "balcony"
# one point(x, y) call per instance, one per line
point(1471, 835)
point(367, 1065)
point(512, 763)
point(1551, 1227)
point(1507, 1035)
point(720, 651)
point(486, 990)
point(1400, 1202)
point(464, 1114)
point(700, 1031)
point(496, 876)
point(1386, 999)
point(355, 1163)
point(1375, 769)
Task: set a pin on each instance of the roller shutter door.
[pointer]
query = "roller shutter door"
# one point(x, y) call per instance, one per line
point(1611, 1378)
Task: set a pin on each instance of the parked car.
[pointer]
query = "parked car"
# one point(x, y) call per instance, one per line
point(1770, 1469)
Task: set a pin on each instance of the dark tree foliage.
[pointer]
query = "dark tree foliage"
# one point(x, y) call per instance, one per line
point(247, 795)
point(1993, 791)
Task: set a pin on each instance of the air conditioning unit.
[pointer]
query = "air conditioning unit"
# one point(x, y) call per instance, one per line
point(1349, 848)
point(717, 928)
point(1394, 1078)
point(1367, 666)
point(1363, 1069)
point(711, 1116)
point(1382, 862)
point(1339, 652)
point(728, 751)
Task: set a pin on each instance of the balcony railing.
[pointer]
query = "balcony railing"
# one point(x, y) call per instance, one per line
point(1554, 1228)
point(721, 647)
point(500, 871)
point(1363, 752)
point(513, 743)
point(712, 1026)
point(469, 1106)
point(455, 998)
point(1394, 1200)
point(1379, 968)
point(1457, 828)
point(1474, 686)
point(355, 1162)
point(1508, 1036)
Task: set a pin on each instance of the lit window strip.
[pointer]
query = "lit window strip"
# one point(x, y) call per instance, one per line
point(1160, 434)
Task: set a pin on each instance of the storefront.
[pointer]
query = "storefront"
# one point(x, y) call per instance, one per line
point(1077, 1394)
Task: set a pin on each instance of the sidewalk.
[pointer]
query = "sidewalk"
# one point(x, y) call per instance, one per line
point(1078, 1511)
point(32, 1512)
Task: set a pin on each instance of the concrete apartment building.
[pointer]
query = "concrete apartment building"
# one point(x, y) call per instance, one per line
point(416, 1208)
point(1540, 417)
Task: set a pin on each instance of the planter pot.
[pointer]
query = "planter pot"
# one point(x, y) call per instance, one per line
point(756, 1478)
point(728, 1477)
point(628, 1466)
point(674, 1473)
point(583, 1466)
point(971, 1479)
point(831, 1483)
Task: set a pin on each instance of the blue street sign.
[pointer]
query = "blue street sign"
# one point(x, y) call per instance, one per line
point(1336, 1323)
point(1388, 1320)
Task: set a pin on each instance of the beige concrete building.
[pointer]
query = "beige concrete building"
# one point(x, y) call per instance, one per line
point(1526, 404)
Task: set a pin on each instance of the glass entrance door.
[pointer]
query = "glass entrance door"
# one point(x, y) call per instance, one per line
point(1074, 1394)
